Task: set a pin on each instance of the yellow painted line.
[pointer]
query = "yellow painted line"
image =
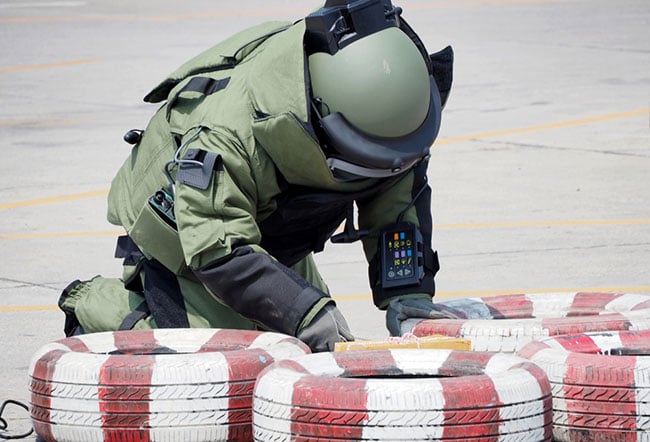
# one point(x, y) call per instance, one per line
point(33, 67)
point(69, 18)
point(61, 234)
point(242, 13)
point(449, 140)
point(607, 222)
point(41, 235)
point(484, 293)
point(449, 294)
point(259, 12)
point(32, 123)
point(117, 18)
point(559, 125)
point(54, 199)
point(27, 308)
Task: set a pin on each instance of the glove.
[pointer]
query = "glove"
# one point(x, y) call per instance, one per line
point(325, 329)
point(399, 310)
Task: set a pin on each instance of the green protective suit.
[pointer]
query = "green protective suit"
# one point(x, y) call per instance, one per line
point(250, 113)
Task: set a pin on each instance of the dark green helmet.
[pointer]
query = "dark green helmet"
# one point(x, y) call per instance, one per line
point(377, 106)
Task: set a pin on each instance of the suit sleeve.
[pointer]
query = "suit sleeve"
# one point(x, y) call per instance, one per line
point(220, 238)
point(383, 210)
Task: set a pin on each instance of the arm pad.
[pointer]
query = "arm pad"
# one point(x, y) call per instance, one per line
point(260, 289)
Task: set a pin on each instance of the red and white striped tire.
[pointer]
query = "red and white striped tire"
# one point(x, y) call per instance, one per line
point(402, 395)
point(508, 322)
point(142, 385)
point(600, 383)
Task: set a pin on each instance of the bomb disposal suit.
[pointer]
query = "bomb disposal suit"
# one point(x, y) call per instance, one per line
point(262, 146)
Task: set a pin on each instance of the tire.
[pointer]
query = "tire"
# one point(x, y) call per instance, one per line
point(600, 383)
point(152, 385)
point(402, 395)
point(507, 323)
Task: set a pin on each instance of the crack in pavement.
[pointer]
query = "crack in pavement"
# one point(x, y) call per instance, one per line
point(29, 284)
point(564, 148)
point(553, 249)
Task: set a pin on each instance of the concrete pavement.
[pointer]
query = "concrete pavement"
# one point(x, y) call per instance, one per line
point(540, 174)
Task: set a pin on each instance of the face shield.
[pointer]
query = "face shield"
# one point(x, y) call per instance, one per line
point(376, 105)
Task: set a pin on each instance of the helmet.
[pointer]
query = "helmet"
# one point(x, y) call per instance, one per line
point(376, 105)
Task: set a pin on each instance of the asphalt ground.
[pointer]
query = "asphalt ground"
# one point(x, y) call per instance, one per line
point(541, 172)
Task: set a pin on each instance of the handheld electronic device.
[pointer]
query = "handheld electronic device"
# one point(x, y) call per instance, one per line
point(163, 204)
point(402, 255)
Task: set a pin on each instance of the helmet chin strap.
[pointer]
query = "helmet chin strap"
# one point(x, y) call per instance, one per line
point(364, 172)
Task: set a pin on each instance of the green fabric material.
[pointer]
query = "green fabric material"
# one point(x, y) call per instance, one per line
point(205, 311)
point(259, 126)
point(255, 137)
point(103, 303)
point(230, 51)
point(313, 312)
point(384, 209)
point(384, 304)
point(141, 174)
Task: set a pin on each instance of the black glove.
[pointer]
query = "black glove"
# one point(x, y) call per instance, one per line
point(325, 329)
point(402, 309)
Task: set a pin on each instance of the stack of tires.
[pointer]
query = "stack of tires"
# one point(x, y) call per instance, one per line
point(593, 347)
point(600, 383)
point(152, 385)
point(566, 367)
point(403, 395)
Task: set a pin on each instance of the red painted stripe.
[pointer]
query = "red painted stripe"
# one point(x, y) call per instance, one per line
point(226, 339)
point(621, 415)
point(600, 370)
point(531, 349)
point(599, 393)
point(571, 326)
point(136, 342)
point(465, 363)
point(75, 344)
point(447, 327)
point(538, 373)
point(463, 396)
point(333, 408)
point(366, 363)
point(580, 343)
point(638, 341)
point(546, 395)
point(130, 421)
point(290, 364)
point(46, 364)
point(601, 435)
point(243, 366)
point(44, 369)
point(591, 303)
point(509, 306)
point(642, 305)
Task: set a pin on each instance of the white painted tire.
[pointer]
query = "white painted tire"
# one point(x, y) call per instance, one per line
point(159, 385)
point(507, 323)
point(405, 395)
point(600, 383)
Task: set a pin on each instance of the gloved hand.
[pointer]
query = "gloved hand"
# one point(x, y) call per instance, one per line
point(399, 310)
point(325, 329)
